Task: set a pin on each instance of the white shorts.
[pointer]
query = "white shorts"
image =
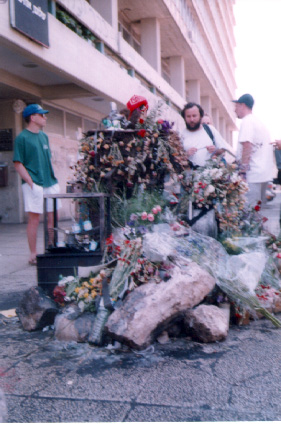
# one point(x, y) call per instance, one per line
point(33, 198)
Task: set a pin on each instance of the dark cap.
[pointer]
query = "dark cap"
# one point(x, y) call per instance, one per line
point(34, 108)
point(247, 99)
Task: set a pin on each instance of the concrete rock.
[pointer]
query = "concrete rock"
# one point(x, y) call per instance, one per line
point(72, 325)
point(3, 408)
point(149, 309)
point(208, 323)
point(36, 310)
point(163, 338)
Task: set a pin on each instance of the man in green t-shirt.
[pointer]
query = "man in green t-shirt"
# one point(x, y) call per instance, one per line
point(32, 160)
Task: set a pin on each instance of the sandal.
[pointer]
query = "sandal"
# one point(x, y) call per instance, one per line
point(32, 262)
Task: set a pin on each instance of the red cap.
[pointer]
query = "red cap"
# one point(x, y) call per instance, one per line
point(136, 102)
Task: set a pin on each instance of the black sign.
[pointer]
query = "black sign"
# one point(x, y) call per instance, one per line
point(31, 18)
point(6, 139)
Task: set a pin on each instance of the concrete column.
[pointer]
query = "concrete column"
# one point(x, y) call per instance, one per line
point(206, 103)
point(215, 116)
point(222, 127)
point(150, 42)
point(229, 134)
point(177, 76)
point(194, 89)
point(108, 9)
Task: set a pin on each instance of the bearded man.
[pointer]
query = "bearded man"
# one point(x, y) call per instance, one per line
point(200, 141)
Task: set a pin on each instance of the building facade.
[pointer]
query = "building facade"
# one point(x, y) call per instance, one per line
point(74, 57)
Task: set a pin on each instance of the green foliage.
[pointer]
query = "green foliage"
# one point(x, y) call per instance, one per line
point(74, 25)
point(142, 200)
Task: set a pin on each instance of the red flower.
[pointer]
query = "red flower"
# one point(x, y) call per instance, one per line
point(257, 208)
point(92, 153)
point(142, 133)
point(59, 294)
point(160, 121)
point(109, 240)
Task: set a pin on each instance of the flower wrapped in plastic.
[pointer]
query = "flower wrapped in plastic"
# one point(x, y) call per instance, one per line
point(217, 185)
point(211, 255)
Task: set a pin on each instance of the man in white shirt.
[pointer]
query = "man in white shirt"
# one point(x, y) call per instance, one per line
point(255, 151)
point(197, 142)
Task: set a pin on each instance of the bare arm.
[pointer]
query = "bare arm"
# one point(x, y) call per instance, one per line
point(246, 156)
point(277, 144)
point(20, 168)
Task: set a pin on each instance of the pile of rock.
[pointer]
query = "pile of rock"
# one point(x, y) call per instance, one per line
point(152, 311)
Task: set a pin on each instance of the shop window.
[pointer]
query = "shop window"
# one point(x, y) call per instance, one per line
point(73, 124)
point(89, 125)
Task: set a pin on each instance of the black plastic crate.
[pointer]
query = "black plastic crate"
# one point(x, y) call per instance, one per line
point(51, 266)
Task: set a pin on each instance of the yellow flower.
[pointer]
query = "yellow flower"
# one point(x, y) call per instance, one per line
point(77, 290)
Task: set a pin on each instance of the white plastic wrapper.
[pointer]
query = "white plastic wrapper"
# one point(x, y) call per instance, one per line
point(158, 245)
point(248, 268)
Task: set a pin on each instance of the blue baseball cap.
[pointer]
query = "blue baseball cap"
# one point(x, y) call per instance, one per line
point(34, 108)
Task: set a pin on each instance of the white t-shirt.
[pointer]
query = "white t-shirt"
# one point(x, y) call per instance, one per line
point(200, 139)
point(261, 162)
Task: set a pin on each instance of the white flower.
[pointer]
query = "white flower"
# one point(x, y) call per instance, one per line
point(209, 189)
point(216, 173)
point(66, 280)
point(234, 178)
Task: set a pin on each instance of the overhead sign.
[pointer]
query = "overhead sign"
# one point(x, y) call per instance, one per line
point(30, 17)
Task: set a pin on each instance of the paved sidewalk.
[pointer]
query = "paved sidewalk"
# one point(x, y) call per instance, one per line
point(16, 275)
point(45, 380)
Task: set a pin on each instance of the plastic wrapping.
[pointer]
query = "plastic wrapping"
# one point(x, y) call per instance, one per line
point(237, 276)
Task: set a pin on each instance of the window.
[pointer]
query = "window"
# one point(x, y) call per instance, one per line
point(54, 121)
point(73, 123)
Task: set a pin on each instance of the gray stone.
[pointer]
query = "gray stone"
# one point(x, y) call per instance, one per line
point(208, 323)
point(36, 310)
point(149, 309)
point(3, 408)
point(163, 338)
point(72, 325)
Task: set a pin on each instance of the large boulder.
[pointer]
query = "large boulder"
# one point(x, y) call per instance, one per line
point(149, 309)
point(72, 325)
point(36, 310)
point(208, 323)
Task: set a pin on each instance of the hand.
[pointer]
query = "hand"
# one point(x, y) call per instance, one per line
point(277, 144)
point(211, 148)
point(191, 151)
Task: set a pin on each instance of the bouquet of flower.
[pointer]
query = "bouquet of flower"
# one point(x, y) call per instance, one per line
point(219, 186)
point(82, 291)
